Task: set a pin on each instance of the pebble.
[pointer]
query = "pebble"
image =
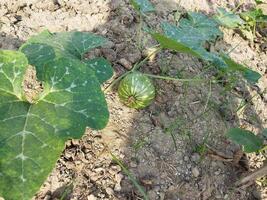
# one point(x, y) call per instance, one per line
point(195, 157)
point(152, 194)
point(195, 172)
point(118, 178)
point(134, 57)
point(186, 158)
point(47, 197)
point(109, 45)
point(256, 194)
point(125, 63)
point(91, 197)
point(133, 164)
point(109, 191)
point(110, 54)
point(217, 173)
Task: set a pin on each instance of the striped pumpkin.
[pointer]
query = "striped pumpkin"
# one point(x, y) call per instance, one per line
point(136, 90)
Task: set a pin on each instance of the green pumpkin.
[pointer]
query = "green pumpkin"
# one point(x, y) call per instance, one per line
point(136, 90)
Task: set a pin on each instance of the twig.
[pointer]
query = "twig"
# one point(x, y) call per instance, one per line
point(253, 176)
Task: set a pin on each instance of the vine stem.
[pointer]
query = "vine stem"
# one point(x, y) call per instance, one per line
point(116, 81)
point(138, 65)
point(175, 79)
point(135, 67)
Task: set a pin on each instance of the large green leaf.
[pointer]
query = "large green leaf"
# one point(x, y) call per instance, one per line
point(32, 136)
point(101, 67)
point(228, 19)
point(45, 46)
point(264, 133)
point(172, 44)
point(190, 37)
point(143, 6)
point(249, 141)
point(193, 32)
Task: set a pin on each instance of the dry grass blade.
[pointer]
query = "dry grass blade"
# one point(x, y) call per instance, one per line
point(130, 176)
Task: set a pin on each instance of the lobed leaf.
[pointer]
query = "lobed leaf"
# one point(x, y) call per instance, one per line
point(101, 67)
point(249, 141)
point(46, 46)
point(32, 136)
point(190, 37)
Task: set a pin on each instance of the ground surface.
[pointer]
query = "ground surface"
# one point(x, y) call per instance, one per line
point(195, 114)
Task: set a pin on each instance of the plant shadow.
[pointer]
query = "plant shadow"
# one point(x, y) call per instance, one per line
point(176, 148)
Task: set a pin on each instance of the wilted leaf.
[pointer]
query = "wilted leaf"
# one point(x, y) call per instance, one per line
point(249, 141)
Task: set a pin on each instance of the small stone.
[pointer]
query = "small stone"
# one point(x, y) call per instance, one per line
point(125, 63)
point(195, 157)
point(217, 173)
point(133, 164)
point(186, 158)
point(120, 47)
point(134, 57)
point(214, 164)
point(152, 194)
point(109, 45)
point(75, 142)
point(91, 197)
point(110, 54)
point(117, 187)
point(255, 194)
point(47, 197)
point(195, 172)
point(118, 178)
point(109, 191)
point(162, 196)
point(127, 19)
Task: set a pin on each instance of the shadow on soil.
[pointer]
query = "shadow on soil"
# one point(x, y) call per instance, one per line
point(176, 148)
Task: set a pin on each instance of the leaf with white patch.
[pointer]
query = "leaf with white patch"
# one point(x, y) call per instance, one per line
point(46, 46)
point(102, 68)
point(32, 136)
